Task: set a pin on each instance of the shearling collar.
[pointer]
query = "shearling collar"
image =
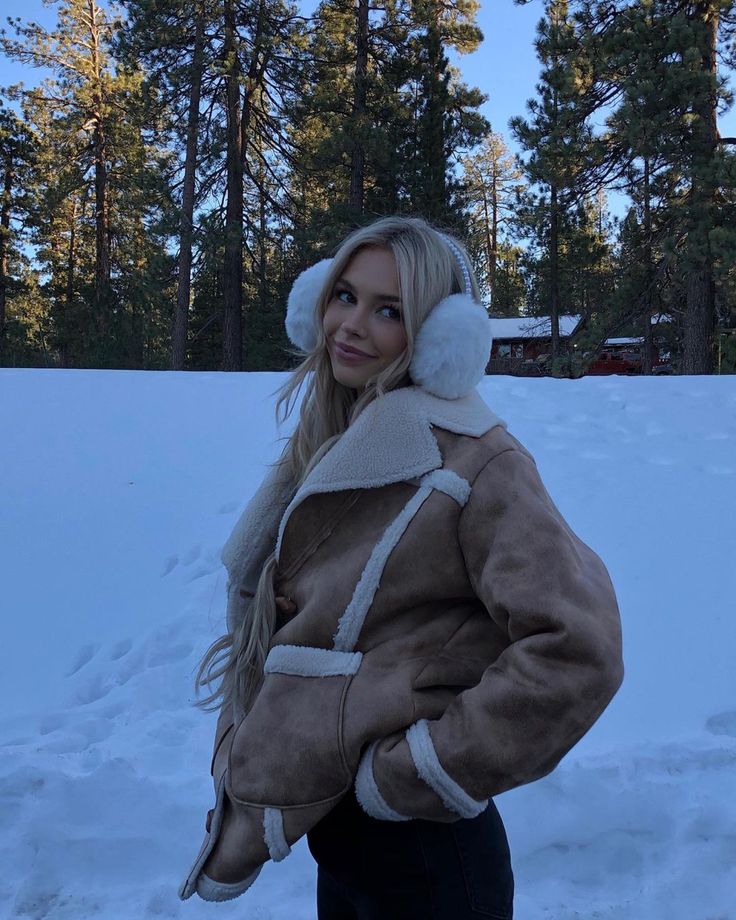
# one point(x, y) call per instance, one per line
point(391, 441)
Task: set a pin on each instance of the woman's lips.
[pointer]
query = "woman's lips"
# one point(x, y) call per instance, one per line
point(349, 357)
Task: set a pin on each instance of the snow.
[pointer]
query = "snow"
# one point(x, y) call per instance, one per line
point(119, 489)
point(519, 327)
point(505, 328)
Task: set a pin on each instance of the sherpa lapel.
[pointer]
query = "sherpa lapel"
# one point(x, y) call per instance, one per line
point(392, 441)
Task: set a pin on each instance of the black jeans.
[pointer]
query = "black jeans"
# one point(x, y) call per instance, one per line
point(411, 870)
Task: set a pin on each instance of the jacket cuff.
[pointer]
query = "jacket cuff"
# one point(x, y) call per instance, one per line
point(400, 777)
point(429, 768)
point(367, 792)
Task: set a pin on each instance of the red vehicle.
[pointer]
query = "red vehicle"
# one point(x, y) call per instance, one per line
point(616, 361)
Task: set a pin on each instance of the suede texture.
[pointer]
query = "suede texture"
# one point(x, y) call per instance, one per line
point(492, 620)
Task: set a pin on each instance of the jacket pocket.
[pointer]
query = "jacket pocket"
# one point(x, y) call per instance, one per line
point(288, 750)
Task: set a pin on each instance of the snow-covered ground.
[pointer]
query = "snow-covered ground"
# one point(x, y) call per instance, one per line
point(118, 490)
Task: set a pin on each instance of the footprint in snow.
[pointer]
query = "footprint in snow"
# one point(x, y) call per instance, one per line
point(80, 737)
point(130, 667)
point(120, 648)
point(723, 723)
point(52, 722)
point(168, 654)
point(84, 655)
point(202, 571)
point(192, 556)
point(170, 564)
point(92, 690)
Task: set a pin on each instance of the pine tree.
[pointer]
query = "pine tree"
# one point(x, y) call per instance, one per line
point(173, 41)
point(492, 175)
point(654, 64)
point(557, 139)
point(16, 163)
point(98, 195)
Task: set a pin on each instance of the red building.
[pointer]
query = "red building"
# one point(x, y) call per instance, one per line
point(522, 344)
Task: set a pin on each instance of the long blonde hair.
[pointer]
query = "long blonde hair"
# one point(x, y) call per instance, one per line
point(427, 272)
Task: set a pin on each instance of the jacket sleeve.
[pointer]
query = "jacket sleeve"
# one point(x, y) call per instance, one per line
point(552, 597)
point(251, 541)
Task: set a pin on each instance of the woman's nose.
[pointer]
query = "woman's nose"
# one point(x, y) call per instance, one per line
point(355, 322)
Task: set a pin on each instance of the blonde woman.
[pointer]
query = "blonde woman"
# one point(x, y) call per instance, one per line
point(413, 628)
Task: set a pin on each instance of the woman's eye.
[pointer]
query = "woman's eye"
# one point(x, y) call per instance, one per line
point(394, 312)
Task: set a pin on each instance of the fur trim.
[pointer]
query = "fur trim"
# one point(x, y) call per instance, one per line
point(450, 483)
point(452, 347)
point(252, 539)
point(429, 768)
point(398, 428)
point(351, 622)
point(273, 834)
point(308, 661)
point(366, 790)
point(301, 309)
point(210, 890)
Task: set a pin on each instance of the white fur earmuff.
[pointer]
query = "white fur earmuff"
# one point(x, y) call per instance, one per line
point(301, 307)
point(451, 349)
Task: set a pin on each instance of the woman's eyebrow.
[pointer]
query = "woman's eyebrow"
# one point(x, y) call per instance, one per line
point(377, 296)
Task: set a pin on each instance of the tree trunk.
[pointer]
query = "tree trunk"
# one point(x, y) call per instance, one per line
point(4, 237)
point(186, 223)
point(102, 203)
point(490, 245)
point(260, 56)
point(648, 344)
point(357, 163)
point(494, 229)
point(232, 344)
point(435, 194)
point(554, 280)
point(700, 314)
point(71, 262)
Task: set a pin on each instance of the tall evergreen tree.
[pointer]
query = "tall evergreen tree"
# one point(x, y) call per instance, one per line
point(16, 163)
point(557, 138)
point(173, 41)
point(653, 63)
point(492, 175)
point(98, 195)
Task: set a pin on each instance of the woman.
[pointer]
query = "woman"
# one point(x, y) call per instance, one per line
point(413, 627)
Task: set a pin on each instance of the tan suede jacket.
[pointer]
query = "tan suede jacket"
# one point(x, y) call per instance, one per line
point(453, 638)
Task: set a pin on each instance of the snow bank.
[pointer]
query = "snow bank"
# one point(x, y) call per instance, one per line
point(119, 489)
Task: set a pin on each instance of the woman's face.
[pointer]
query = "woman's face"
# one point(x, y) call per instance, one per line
point(364, 313)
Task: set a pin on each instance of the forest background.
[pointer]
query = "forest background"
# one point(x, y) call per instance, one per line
point(168, 167)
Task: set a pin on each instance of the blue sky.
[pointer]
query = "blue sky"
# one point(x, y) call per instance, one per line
point(504, 67)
